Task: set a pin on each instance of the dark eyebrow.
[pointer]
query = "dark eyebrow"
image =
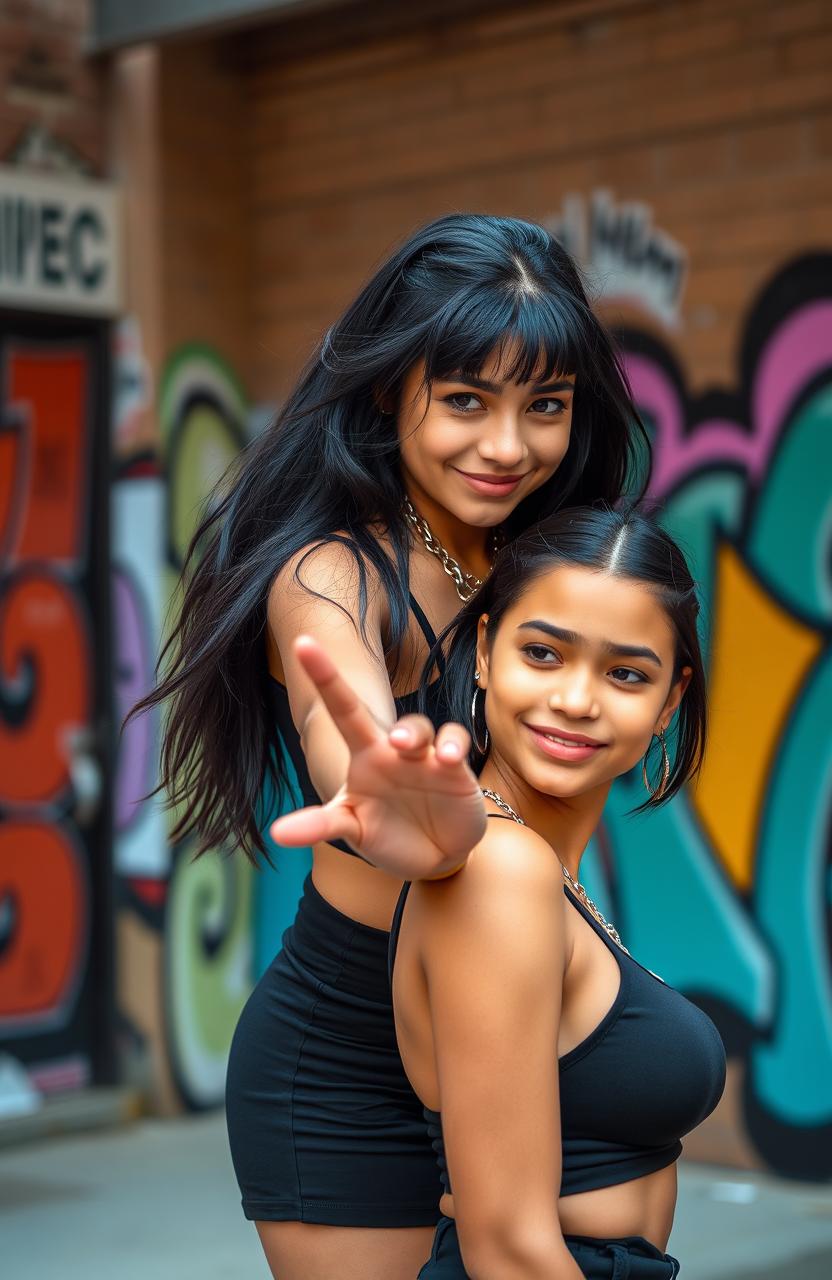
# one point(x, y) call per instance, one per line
point(495, 388)
point(572, 637)
point(564, 384)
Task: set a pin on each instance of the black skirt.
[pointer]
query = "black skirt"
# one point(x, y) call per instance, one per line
point(323, 1124)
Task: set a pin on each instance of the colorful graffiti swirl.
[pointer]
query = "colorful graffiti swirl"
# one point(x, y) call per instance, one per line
point(192, 917)
point(207, 935)
point(726, 893)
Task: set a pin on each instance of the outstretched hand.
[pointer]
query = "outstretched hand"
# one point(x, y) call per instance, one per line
point(410, 803)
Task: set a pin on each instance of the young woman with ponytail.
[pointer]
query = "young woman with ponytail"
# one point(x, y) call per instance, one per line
point(558, 1074)
point(466, 393)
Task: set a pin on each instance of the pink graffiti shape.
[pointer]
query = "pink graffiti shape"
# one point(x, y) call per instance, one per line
point(794, 354)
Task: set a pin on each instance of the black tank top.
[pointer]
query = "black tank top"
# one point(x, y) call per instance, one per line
point(651, 1071)
point(294, 760)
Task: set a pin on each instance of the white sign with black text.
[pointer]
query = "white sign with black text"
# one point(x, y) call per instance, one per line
point(60, 243)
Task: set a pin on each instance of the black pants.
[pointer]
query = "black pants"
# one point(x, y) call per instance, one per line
point(629, 1259)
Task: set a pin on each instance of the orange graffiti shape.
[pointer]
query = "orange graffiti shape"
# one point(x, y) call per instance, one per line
point(761, 656)
point(43, 643)
point(43, 911)
point(10, 479)
point(50, 388)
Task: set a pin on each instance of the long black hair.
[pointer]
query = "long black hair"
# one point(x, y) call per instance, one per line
point(623, 543)
point(459, 290)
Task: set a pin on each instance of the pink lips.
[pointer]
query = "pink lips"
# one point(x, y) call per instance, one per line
point(571, 747)
point(492, 485)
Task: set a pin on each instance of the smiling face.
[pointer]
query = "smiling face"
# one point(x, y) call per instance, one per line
point(579, 676)
point(476, 447)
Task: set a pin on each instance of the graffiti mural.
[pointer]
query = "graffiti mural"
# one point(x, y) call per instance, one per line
point(46, 707)
point(42, 935)
point(190, 921)
point(137, 566)
point(208, 925)
point(207, 967)
point(726, 892)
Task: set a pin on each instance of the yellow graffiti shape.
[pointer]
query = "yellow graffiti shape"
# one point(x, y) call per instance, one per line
point(760, 657)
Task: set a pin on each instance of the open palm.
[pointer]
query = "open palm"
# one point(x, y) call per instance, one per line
point(410, 803)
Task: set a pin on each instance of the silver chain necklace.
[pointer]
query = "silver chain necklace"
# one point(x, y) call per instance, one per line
point(466, 584)
point(578, 889)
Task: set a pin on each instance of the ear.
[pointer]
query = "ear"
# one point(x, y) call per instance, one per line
point(482, 652)
point(674, 699)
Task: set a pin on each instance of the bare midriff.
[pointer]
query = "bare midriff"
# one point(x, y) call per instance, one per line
point(643, 1207)
point(354, 888)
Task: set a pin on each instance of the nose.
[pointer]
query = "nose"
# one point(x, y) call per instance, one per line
point(502, 441)
point(573, 693)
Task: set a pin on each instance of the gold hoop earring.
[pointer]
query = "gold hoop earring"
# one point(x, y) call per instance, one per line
point(662, 787)
point(481, 749)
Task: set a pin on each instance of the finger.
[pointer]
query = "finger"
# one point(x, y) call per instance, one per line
point(411, 736)
point(453, 744)
point(319, 823)
point(352, 719)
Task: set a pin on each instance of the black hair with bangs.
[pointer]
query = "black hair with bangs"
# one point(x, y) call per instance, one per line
point(456, 292)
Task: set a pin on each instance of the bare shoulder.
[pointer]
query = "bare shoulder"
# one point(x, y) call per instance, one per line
point(327, 576)
point(507, 852)
point(512, 876)
point(330, 568)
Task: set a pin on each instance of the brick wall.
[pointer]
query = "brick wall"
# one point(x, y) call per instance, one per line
point(718, 113)
point(205, 226)
point(47, 81)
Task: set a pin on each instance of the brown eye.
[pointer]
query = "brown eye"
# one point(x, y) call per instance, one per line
point(549, 407)
point(626, 675)
point(463, 402)
point(540, 653)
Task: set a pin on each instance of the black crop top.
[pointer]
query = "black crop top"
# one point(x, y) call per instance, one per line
point(651, 1071)
point(289, 738)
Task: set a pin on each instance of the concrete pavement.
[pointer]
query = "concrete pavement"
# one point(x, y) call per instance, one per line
point(157, 1201)
point(740, 1226)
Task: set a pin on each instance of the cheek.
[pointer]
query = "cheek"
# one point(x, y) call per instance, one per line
point(633, 727)
point(549, 447)
point(430, 441)
point(514, 689)
point(506, 698)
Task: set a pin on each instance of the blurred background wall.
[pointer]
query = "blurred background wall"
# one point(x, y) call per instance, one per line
point(242, 167)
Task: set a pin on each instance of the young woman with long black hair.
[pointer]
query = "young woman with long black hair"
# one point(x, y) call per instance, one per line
point(558, 1074)
point(467, 392)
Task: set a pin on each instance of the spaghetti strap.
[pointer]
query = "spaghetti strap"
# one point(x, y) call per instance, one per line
point(422, 619)
point(395, 926)
point(426, 630)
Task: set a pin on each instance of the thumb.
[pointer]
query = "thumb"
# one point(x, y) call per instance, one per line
point(333, 821)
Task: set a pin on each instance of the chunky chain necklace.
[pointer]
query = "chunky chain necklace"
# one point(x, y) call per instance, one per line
point(466, 584)
point(578, 889)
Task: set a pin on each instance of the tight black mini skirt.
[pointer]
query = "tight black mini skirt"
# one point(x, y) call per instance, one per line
point(323, 1124)
point(631, 1258)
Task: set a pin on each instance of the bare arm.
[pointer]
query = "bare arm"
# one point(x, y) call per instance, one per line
point(332, 618)
point(401, 795)
point(493, 950)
